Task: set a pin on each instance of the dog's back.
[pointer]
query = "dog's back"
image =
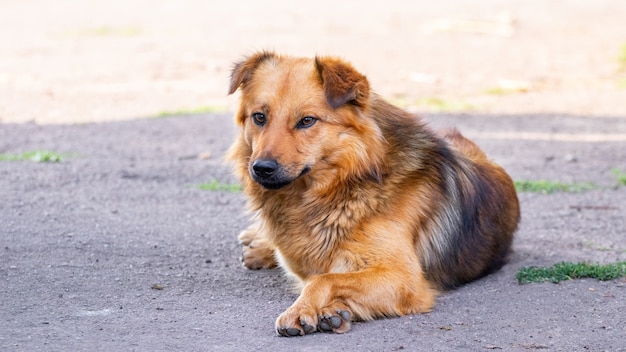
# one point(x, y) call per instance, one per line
point(477, 211)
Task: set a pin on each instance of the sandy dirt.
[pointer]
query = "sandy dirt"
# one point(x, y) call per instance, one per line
point(116, 247)
point(85, 61)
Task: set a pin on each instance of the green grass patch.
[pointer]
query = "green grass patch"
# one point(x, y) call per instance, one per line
point(38, 156)
point(195, 111)
point(217, 186)
point(569, 271)
point(620, 175)
point(549, 187)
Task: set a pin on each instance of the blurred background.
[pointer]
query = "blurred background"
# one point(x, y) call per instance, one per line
point(77, 61)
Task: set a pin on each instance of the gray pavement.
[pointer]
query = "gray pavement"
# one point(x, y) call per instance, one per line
point(116, 249)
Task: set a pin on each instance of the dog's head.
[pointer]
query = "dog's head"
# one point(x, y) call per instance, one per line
point(302, 117)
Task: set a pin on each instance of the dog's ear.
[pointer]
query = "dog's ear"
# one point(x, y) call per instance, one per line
point(242, 72)
point(342, 83)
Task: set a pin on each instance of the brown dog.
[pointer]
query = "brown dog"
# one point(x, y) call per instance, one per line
point(368, 209)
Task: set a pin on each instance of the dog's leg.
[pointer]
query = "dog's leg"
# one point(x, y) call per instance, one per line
point(329, 302)
point(256, 251)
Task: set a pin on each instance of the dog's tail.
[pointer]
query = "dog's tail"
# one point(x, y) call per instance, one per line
point(462, 144)
point(473, 230)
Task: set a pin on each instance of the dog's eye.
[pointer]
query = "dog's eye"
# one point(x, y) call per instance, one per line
point(306, 122)
point(259, 118)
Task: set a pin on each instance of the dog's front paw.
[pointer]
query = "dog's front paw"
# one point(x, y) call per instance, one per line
point(299, 320)
point(256, 252)
point(257, 257)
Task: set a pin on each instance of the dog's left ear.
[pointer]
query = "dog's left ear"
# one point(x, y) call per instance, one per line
point(342, 83)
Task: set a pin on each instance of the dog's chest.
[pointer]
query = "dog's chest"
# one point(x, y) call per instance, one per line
point(311, 238)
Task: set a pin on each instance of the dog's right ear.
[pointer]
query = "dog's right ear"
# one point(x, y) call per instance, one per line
point(242, 72)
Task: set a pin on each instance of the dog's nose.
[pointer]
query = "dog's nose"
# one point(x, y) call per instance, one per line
point(264, 167)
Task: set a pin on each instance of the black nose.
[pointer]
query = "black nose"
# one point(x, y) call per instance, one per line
point(264, 168)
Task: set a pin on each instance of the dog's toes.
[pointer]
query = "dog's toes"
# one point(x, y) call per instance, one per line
point(296, 322)
point(329, 323)
point(345, 315)
point(289, 332)
point(300, 320)
point(308, 329)
point(337, 321)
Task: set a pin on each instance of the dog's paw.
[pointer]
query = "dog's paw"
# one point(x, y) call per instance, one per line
point(256, 253)
point(261, 257)
point(296, 321)
point(300, 320)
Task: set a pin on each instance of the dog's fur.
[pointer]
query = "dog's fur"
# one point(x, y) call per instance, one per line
point(372, 212)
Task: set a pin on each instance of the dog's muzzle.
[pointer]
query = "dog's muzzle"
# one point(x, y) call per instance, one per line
point(269, 174)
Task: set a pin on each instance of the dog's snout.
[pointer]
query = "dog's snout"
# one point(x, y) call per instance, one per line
point(264, 168)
